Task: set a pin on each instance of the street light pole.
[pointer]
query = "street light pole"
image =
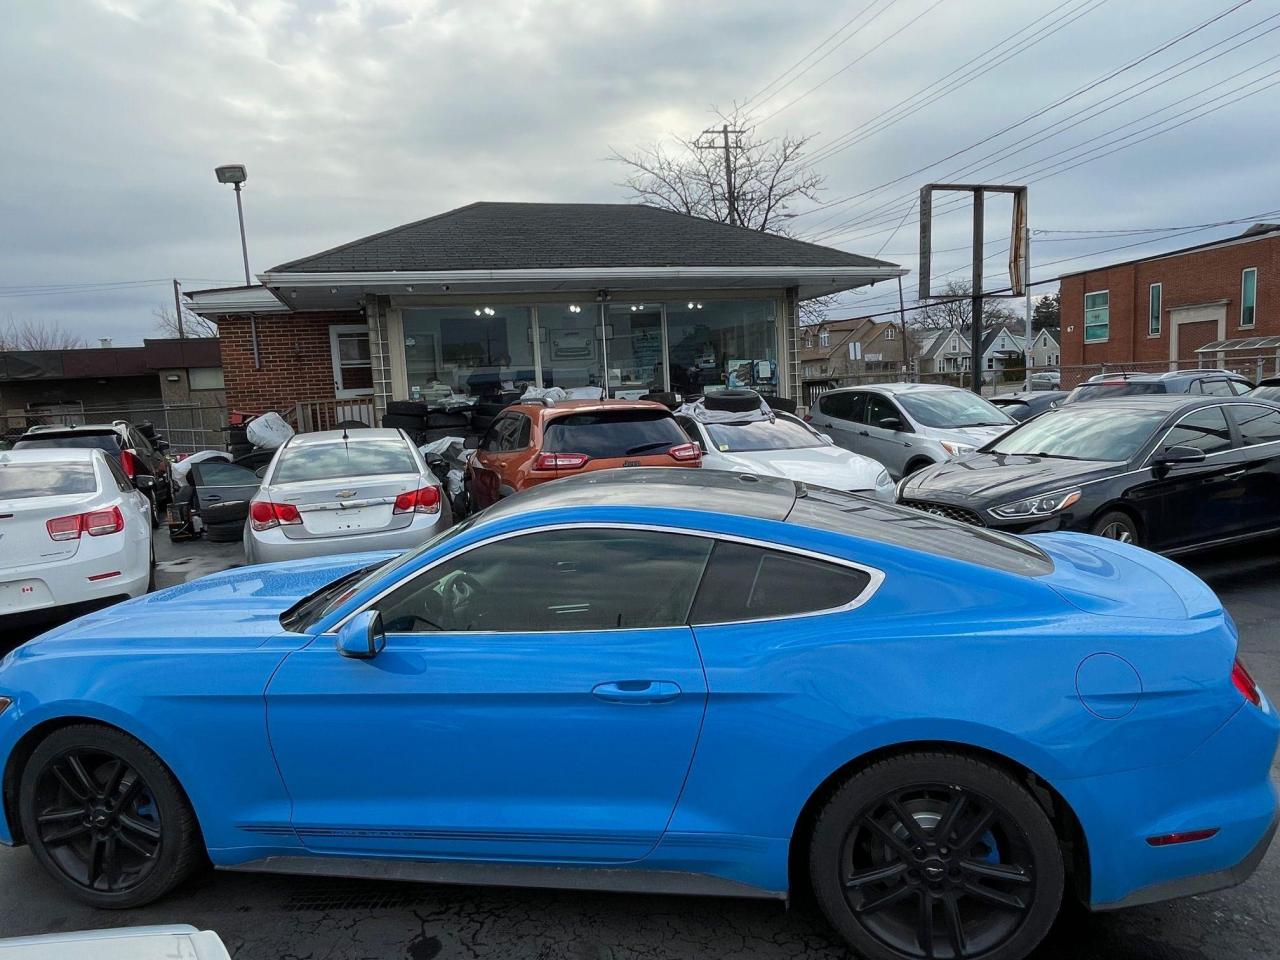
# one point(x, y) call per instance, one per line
point(244, 246)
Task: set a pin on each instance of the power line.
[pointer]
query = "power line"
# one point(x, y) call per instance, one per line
point(893, 115)
point(1031, 139)
point(91, 286)
point(1052, 106)
point(1031, 173)
point(856, 60)
point(751, 99)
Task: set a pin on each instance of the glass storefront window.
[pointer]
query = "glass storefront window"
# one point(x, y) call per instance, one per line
point(477, 351)
point(571, 354)
point(714, 344)
point(634, 349)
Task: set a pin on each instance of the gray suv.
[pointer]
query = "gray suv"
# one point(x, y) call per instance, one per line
point(906, 426)
point(1212, 383)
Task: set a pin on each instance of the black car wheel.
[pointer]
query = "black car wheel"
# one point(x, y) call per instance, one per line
point(106, 818)
point(936, 855)
point(1115, 525)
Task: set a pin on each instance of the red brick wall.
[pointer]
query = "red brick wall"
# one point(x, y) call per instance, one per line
point(296, 360)
point(1196, 277)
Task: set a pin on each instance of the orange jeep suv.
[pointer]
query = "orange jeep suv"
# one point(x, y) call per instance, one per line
point(530, 443)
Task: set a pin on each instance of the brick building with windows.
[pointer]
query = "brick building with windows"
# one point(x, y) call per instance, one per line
point(1211, 305)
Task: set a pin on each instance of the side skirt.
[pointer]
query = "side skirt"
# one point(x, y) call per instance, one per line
point(599, 879)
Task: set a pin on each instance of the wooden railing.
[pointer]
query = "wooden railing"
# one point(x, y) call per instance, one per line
point(310, 416)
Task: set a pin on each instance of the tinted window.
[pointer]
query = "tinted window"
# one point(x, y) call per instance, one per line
point(1257, 424)
point(1205, 430)
point(523, 429)
point(1128, 388)
point(502, 434)
point(1085, 432)
point(80, 441)
point(779, 434)
point(951, 408)
point(613, 433)
point(217, 472)
point(20, 481)
point(744, 582)
point(1239, 387)
point(118, 475)
point(1216, 388)
point(845, 513)
point(332, 461)
point(584, 580)
point(839, 405)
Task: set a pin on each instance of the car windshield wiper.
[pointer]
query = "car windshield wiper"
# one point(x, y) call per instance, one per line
point(648, 446)
point(1041, 453)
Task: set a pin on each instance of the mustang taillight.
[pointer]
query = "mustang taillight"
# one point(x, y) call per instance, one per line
point(1242, 681)
point(560, 461)
point(96, 523)
point(686, 453)
point(423, 500)
point(263, 514)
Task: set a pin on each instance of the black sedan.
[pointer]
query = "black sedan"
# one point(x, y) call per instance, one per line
point(1168, 472)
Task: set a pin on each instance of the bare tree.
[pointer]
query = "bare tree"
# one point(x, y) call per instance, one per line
point(30, 335)
point(767, 174)
point(193, 325)
point(954, 308)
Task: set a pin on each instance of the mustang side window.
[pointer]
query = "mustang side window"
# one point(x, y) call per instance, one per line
point(744, 582)
point(555, 580)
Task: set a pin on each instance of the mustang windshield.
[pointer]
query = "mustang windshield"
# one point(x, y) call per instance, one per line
point(1101, 433)
point(951, 409)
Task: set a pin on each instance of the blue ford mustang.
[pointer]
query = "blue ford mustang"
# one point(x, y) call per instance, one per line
point(674, 681)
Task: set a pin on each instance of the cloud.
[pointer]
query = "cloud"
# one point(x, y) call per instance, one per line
point(355, 116)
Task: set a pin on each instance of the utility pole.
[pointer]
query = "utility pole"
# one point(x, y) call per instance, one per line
point(730, 197)
point(177, 306)
point(1027, 338)
point(902, 332)
point(975, 323)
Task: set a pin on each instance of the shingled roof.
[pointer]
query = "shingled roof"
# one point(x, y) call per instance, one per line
point(512, 236)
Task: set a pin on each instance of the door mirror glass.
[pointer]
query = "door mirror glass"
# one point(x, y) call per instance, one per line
point(1179, 454)
point(362, 638)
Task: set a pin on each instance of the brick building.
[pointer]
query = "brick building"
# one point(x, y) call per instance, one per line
point(494, 296)
point(1210, 305)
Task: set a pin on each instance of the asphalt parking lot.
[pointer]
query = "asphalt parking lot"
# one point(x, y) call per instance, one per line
point(278, 918)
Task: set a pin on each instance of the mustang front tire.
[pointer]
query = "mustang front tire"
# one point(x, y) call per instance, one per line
point(936, 855)
point(106, 818)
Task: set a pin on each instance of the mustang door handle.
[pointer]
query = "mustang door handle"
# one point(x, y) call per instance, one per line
point(636, 691)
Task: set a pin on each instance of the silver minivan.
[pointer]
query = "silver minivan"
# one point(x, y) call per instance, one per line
point(906, 426)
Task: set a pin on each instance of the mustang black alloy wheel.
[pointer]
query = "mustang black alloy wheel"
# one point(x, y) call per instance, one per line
point(936, 855)
point(105, 817)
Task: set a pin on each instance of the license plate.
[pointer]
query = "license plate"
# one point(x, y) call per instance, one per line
point(24, 595)
point(354, 520)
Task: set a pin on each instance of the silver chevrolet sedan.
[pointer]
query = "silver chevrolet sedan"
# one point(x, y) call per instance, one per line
point(340, 492)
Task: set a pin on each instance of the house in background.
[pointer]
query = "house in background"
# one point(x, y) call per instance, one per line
point(620, 296)
point(834, 350)
point(1209, 305)
point(1045, 351)
point(176, 384)
point(1001, 350)
point(946, 350)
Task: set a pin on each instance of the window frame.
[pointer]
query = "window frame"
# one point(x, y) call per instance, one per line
point(875, 578)
point(1085, 321)
point(1235, 424)
point(1164, 435)
point(1155, 310)
point(1253, 318)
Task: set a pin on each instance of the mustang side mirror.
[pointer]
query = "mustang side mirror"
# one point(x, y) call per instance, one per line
point(362, 637)
point(889, 423)
point(1178, 454)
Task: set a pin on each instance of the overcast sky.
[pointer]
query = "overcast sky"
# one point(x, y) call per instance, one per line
point(356, 116)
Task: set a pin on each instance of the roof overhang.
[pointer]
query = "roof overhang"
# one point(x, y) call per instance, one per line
point(1241, 344)
point(345, 291)
point(227, 301)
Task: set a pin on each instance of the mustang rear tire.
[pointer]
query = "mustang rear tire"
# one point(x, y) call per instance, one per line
point(106, 818)
point(936, 855)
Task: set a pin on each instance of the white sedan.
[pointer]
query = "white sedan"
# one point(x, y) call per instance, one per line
point(786, 446)
point(73, 530)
